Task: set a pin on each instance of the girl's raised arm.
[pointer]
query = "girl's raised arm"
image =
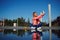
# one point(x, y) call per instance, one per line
point(40, 16)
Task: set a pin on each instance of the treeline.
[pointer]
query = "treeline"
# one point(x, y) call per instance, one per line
point(20, 21)
point(56, 22)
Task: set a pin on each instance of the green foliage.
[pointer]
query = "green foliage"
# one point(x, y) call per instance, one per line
point(20, 21)
point(56, 22)
point(28, 22)
point(8, 22)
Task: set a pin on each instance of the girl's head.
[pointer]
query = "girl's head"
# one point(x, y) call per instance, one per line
point(34, 14)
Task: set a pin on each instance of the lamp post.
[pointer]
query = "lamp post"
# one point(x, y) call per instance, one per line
point(49, 10)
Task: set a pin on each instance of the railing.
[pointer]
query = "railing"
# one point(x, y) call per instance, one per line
point(28, 28)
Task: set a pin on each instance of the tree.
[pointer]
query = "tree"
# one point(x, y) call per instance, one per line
point(56, 22)
point(8, 22)
point(28, 22)
point(21, 21)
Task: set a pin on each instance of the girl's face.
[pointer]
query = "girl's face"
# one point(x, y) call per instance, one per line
point(35, 15)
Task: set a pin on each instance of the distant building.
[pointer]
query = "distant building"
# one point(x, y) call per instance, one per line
point(14, 24)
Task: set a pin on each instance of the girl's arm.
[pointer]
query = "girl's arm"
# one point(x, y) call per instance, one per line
point(40, 16)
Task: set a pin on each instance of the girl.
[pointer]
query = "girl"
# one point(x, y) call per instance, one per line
point(36, 19)
point(36, 22)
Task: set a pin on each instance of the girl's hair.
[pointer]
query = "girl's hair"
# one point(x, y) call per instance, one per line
point(34, 13)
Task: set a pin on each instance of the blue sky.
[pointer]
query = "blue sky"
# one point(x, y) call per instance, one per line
point(13, 9)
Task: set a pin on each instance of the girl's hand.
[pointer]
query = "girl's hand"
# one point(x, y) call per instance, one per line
point(43, 12)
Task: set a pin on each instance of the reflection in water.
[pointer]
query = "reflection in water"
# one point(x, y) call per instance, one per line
point(56, 32)
point(17, 32)
point(22, 32)
point(24, 35)
point(9, 31)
